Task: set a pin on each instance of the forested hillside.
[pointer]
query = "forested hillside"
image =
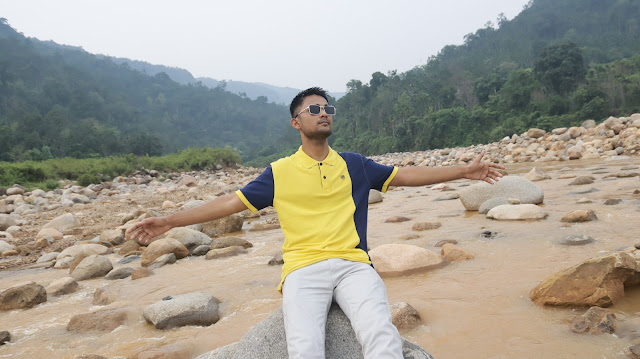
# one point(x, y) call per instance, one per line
point(558, 63)
point(58, 101)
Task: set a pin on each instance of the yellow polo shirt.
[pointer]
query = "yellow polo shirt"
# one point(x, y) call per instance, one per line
point(321, 205)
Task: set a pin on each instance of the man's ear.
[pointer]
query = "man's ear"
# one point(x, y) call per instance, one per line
point(295, 123)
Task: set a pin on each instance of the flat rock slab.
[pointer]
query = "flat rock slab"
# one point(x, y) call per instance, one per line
point(267, 340)
point(396, 259)
point(516, 212)
point(185, 309)
point(576, 240)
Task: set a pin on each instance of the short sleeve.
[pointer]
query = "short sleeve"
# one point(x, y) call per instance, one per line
point(258, 194)
point(379, 176)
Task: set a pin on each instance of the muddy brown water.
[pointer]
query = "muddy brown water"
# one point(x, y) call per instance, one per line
point(478, 308)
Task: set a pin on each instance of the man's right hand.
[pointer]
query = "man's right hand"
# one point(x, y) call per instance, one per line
point(146, 230)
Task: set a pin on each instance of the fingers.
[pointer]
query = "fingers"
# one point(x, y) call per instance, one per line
point(479, 158)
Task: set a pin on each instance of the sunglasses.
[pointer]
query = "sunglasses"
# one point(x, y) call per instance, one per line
point(315, 110)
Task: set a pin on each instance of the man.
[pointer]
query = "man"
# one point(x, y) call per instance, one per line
point(321, 197)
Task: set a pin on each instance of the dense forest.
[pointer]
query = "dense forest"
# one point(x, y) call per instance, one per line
point(556, 64)
point(58, 101)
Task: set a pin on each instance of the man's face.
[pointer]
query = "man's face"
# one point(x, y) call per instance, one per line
point(314, 127)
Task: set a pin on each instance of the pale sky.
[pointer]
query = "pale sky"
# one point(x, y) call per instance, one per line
point(284, 43)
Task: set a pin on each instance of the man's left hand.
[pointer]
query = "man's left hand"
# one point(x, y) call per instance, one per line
point(483, 171)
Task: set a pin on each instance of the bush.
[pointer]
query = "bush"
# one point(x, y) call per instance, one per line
point(91, 170)
point(87, 179)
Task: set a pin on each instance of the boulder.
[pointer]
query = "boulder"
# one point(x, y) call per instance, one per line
point(190, 238)
point(225, 252)
point(62, 286)
point(63, 223)
point(228, 224)
point(162, 247)
point(396, 259)
point(84, 249)
point(6, 221)
point(113, 236)
point(514, 212)
point(4, 246)
point(404, 316)
point(266, 340)
point(375, 196)
point(91, 267)
point(119, 273)
point(598, 281)
point(516, 187)
point(102, 321)
point(22, 295)
point(536, 133)
point(224, 242)
point(453, 253)
point(579, 215)
point(50, 232)
point(276, 260)
point(163, 260)
point(185, 309)
point(489, 204)
point(47, 257)
point(581, 180)
point(595, 321)
point(536, 174)
point(5, 337)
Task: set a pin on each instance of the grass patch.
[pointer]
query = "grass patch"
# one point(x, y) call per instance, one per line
point(46, 174)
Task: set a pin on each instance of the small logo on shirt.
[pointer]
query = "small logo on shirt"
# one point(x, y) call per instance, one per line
point(342, 177)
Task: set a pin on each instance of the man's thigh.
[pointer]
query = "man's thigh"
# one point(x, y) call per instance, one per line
point(363, 298)
point(307, 294)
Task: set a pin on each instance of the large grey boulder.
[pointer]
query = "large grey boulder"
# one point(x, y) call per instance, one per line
point(267, 340)
point(517, 187)
point(185, 309)
point(91, 267)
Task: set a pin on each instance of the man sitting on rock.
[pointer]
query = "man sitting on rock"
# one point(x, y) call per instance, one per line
point(321, 197)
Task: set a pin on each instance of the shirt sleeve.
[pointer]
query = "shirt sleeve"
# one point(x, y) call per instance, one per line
point(258, 194)
point(379, 176)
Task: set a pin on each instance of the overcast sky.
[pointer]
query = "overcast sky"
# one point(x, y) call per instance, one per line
point(284, 43)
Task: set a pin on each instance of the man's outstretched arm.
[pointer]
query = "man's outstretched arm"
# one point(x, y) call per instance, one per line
point(220, 207)
point(421, 176)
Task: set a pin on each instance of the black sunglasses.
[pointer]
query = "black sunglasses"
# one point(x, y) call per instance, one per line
point(315, 110)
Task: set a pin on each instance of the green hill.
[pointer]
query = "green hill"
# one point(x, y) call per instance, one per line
point(58, 101)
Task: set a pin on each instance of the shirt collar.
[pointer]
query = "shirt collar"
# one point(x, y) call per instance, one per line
point(307, 162)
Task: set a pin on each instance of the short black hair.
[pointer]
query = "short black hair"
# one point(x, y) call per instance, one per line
point(297, 101)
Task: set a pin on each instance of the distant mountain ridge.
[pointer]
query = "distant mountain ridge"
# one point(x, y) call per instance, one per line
point(252, 90)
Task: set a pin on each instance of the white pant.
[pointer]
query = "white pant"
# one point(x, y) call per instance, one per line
point(360, 293)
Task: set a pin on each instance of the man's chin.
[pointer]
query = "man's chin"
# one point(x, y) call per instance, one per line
point(319, 135)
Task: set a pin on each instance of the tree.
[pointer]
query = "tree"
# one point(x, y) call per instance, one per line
point(560, 67)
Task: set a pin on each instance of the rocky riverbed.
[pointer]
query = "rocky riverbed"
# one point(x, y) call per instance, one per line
point(526, 257)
